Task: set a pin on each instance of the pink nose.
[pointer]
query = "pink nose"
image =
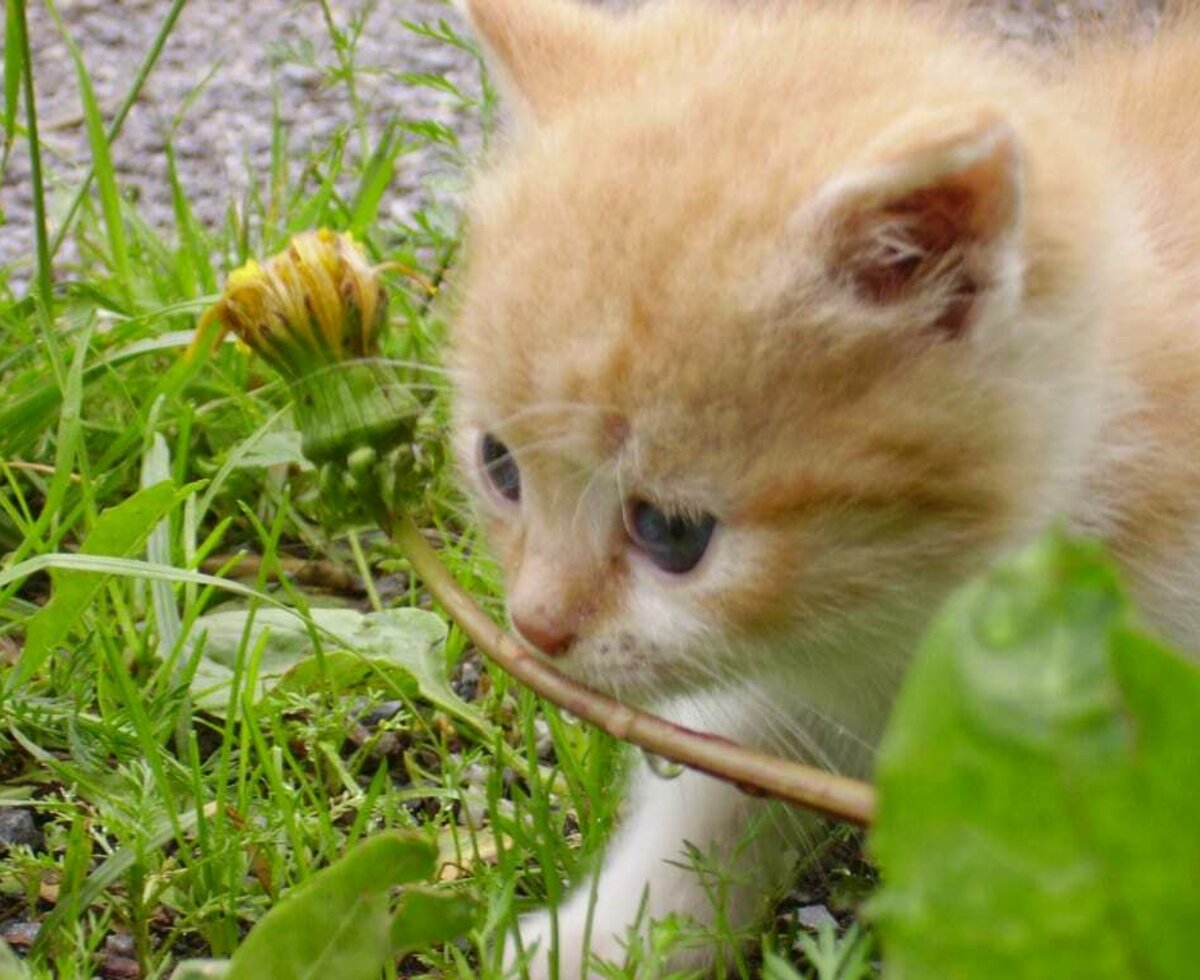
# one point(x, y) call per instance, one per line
point(540, 630)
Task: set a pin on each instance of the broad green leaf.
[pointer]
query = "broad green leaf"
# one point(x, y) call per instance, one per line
point(119, 531)
point(1038, 787)
point(428, 917)
point(405, 643)
point(339, 922)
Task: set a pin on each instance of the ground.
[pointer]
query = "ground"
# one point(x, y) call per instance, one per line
point(226, 65)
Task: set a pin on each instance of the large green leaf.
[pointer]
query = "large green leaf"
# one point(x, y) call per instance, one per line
point(404, 643)
point(339, 922)
point(1039, 787)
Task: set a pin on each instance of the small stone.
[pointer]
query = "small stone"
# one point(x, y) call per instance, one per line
point(120, 968)
point(120, 944)
point(17, 828)
point(544, 740)
point(473, 812)
point(20, 934)
point(385, 711)
point(815, 917)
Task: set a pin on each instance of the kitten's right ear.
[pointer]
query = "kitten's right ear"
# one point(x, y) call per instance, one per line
point(543, 54)
point(933, 220)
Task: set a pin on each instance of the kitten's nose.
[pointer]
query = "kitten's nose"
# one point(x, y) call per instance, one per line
point(542, 631)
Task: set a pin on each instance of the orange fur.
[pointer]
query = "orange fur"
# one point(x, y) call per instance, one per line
point(882, 300)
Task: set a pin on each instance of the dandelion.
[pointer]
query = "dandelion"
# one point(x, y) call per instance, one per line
point(316, 313)
point(316, 302)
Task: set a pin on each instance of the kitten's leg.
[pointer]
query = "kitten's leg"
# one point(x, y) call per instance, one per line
point(644, 857)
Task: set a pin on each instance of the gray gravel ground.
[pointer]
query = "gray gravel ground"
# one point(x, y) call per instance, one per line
point(240, 53)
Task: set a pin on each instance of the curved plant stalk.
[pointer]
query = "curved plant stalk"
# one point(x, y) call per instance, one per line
point(754, 772)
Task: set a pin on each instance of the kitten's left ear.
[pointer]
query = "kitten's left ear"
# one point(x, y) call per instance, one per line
point(542, 53)
point(936, 222)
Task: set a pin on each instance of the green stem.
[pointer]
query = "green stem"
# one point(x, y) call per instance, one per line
point(45, 281)
point(756, 772)
point(364, 570)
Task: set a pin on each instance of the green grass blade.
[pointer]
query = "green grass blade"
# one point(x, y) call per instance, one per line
point(67, 440)
point(114, 129)
point(102, 165)
point(279, 169)
point(316, 210)
point(195, 266)
point(376, 178)
point(23, 421)
point(44, 282)
point(156, 470)
point(13, 69)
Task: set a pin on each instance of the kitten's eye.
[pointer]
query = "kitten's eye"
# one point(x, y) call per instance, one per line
point(675, 544)
point(500, 467)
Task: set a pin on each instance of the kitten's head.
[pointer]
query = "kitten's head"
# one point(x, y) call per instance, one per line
point(755, 357)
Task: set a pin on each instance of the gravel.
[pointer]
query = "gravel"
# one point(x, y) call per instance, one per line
point(212, 94)
point(214, 89)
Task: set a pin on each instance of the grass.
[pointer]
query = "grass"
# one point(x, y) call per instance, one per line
point(166, 828)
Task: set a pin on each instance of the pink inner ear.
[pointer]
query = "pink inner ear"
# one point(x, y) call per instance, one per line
point(898, 237)
point(914, 242)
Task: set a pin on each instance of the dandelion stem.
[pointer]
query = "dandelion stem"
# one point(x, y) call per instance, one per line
point(755, 772)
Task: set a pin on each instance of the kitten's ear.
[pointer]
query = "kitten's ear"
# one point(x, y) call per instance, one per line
point(935, 222)
point(542, 53)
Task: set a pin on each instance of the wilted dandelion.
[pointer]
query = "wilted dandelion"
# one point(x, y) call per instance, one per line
point(316, 302)
point(316, 313)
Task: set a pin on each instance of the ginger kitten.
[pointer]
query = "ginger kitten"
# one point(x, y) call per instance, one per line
point(777, 321)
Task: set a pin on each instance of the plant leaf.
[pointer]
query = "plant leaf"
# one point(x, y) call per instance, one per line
point(119, 531)
point(338, 923)
point(14, 66)
point(428, 917)
point(1038, 786)
point(358, 644)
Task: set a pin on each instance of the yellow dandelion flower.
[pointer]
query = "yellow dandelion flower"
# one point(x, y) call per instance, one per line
point(316, 302)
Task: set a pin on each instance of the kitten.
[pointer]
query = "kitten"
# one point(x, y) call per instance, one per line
point(779, 321)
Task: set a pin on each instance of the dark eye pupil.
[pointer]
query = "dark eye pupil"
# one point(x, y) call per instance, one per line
point(673, 542)
point(500, 467)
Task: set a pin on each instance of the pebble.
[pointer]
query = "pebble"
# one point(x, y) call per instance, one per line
point(544, 741)
point(18, 828)
point(815, 917)
point(19, 934)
